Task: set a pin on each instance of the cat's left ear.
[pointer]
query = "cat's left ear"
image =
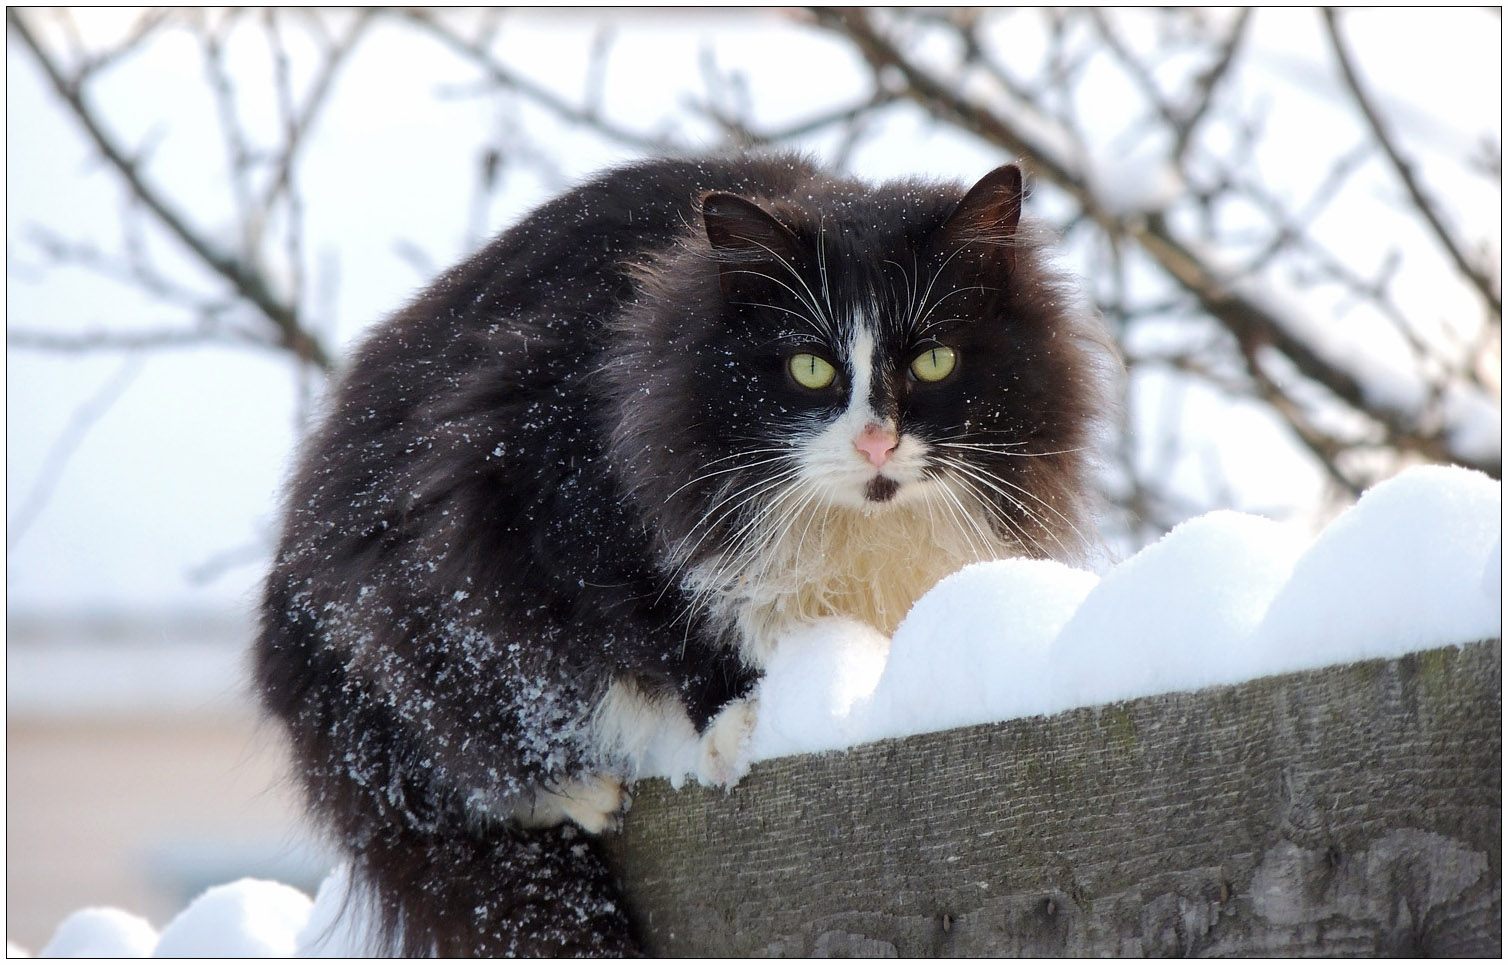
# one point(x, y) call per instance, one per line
point(987, 217)
point(748, 240)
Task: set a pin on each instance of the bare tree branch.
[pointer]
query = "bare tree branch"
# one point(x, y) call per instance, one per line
point(246, 281)
point(63, 448)
point(1427, 209)
point(477, 52)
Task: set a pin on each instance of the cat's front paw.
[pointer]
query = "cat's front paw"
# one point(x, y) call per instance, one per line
point(724, 752)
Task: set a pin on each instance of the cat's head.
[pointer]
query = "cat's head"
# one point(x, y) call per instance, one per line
point(864, 351)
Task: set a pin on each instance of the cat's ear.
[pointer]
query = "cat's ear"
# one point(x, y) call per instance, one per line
point(748, 240)
point(986, 219)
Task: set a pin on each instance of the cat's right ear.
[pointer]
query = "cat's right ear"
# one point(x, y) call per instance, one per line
point(748, 241)
point(987, 218)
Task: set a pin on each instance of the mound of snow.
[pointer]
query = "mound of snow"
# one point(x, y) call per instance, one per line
point(1227, 597)
point(1179, 615)
point(337, 926)
point(807, 700)
point(1407, 568)
point(245, 919)
point(979, 640)
point(101, 933)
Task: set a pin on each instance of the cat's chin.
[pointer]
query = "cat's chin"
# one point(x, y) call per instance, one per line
point(880, 490)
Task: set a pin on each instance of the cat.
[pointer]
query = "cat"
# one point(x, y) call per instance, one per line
point(565, 505)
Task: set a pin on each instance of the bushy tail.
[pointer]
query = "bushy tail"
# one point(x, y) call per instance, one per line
point(437, 876)
point(494, 891)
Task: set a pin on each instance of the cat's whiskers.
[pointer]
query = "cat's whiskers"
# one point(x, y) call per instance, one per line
point(1044, 503)
point(725, 506)
point(906, 277)
point(917, 320)
point(728, 505)
point(963, 521)
point(1003, 448)
point(781, 454)
point(747, 557)
point(996, 484)
point(822, 265)
point(809, 299)
point(1011, 527)
point(815, 325)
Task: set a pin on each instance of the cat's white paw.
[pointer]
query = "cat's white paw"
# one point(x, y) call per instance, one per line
point(724, 753)
point(595, 803)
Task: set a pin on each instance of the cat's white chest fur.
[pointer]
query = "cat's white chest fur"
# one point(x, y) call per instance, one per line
point(838, 562)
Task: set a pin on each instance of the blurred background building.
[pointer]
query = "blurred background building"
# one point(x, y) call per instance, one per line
point(137, 774)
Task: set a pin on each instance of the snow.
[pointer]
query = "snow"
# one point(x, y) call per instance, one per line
point(101, 933)
point(1226, 597)
point(1406, 568)
point(1021, 604)
point(246, 919)
point(1415, 564)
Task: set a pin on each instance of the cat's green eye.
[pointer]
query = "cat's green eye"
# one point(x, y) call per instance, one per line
point(812, 371)
point(935, 364)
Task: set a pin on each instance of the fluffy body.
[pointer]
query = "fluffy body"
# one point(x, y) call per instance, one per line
point(566, 503)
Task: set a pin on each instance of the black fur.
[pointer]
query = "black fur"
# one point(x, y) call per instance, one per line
point(495, 518)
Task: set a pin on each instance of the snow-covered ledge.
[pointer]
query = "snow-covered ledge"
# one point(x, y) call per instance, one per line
point(1234, 743)
point(1352, 810)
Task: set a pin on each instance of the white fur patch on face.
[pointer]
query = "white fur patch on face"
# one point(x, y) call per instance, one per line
point(831, 461)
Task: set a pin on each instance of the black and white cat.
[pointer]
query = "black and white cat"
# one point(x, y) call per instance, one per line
point(566, 504)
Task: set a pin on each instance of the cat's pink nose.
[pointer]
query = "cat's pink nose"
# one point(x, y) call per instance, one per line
point(876, 444)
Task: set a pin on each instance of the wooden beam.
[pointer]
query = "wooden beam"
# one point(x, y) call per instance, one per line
point(1353, 810)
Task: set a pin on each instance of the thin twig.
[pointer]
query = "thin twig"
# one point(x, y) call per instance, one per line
point(64, 446)
point(1405, 170)
point(250, 284)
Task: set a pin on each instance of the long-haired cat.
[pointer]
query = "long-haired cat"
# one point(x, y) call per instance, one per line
point(565, 504)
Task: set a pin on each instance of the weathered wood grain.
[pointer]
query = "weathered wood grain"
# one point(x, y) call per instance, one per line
point(1353, 810)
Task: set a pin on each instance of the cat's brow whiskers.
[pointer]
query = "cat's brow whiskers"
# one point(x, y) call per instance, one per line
point(811, 299)
point(917, 324)
point(906, 279)
point(815, 325)
point(807, 301)
point(822, 265)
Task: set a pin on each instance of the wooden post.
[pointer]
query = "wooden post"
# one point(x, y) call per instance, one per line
point(1352, 810)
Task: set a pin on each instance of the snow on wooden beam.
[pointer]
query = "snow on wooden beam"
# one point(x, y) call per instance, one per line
point(1352, 810)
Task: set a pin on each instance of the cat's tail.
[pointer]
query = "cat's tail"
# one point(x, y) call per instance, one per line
point(430, 875)
point(492, 890)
